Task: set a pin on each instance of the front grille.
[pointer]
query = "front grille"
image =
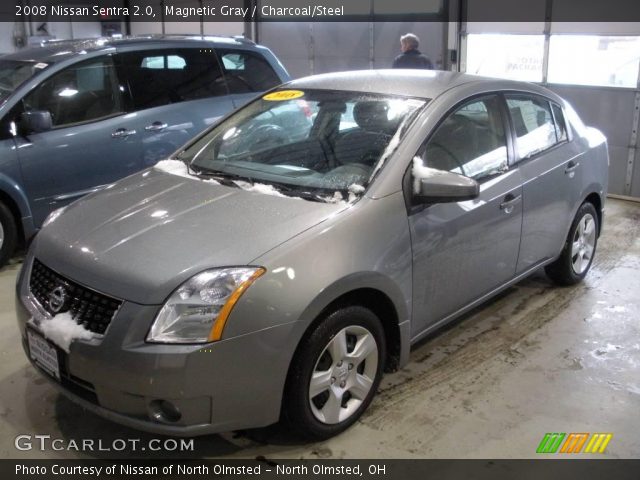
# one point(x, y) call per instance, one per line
point(91, 309)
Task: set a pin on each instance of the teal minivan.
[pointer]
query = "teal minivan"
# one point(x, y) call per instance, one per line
point(77, 115)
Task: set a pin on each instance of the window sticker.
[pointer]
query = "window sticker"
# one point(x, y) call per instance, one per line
point(282, 95)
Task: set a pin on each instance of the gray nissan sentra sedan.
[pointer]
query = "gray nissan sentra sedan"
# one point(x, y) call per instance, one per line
point(269, 272)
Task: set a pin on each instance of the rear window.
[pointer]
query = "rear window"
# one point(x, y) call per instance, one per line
point(172, 62)
point(162, 77)
point(533, 123)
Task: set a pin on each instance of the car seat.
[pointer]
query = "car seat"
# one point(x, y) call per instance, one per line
point(365, 144)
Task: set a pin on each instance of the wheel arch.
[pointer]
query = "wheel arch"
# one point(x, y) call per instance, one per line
point(15, 199)
point(595, 199)
point(370, 290)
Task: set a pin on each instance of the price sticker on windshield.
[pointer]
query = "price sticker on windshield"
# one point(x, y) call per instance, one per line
point(281, 95)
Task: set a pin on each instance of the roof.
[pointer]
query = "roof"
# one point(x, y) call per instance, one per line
point(51, 51)
point(412, 83)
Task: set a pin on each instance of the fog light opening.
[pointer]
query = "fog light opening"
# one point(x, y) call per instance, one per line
point(164, 411)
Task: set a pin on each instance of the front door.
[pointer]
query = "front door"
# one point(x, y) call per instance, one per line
point(464, 250)
point(91, 144)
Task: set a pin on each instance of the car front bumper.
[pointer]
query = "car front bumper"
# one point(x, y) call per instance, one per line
point(227, 385)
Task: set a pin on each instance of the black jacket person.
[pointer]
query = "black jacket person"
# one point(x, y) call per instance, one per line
point(411, 57)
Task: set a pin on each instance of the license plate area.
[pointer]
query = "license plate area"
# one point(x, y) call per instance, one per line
point(43, 353)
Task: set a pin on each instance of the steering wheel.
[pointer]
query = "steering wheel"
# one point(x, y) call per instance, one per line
point(450, 156)
point(348, 174)
point(373, 151)
point(464, 132)
point(266, 137)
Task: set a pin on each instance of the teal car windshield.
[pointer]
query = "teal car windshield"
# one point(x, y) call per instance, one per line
point(315, 141)
point(13, 73)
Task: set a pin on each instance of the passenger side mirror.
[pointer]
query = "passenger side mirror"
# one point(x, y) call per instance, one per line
point(437, 186)
point(35, 121)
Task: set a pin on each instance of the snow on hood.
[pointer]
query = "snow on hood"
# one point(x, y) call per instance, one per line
point(63, 329)
point(261, 188)
point(354, 192)
point(179, 168)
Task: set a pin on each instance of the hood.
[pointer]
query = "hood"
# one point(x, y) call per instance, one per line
point(139, 239)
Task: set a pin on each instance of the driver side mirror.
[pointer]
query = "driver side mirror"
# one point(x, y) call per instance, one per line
point(35, 121)
point(437, 186)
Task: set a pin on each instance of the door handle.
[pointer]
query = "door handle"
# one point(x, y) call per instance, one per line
point(122, 132)
point(155, 126)
point(571, 167)
point(509, 202)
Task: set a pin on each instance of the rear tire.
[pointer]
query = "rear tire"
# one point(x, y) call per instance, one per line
point(335, 373)
point(579, 249)
point(8, 234)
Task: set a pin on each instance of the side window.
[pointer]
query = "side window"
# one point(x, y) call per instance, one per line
point(164, 61)
point(83, 92)
point(247, 72)
point(533, 123)
point(161, 77)
point(561, 126)
point(471, 141)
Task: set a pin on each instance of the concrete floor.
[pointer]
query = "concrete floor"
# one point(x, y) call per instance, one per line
point(537, 359)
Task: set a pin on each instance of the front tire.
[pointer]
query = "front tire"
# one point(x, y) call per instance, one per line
point(579, 249)
point(8, 234)
point(335, 373)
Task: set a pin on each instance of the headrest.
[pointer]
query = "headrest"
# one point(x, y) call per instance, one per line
point(371, 115)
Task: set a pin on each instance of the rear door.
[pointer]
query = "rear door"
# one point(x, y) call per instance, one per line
point(92, 142)
point(174, 93)
point(551, 176)
point(464, 250)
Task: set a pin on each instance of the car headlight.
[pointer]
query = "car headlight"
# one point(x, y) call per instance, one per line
point(198, 310)
point(53, 215)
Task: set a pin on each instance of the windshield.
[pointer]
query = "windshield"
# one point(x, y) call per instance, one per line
point(311, 141)
point(13, 73)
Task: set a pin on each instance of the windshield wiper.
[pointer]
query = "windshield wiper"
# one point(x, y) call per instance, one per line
point(229, 179)
point(190, 169)
point(295, 191)
point(224, 178)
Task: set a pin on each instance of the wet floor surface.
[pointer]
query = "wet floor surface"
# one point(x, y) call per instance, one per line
point(536, 359)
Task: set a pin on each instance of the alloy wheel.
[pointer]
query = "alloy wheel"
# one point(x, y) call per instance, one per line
point(343, 375)
point(584, 243)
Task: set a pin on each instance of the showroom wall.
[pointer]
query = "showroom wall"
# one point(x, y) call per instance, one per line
point(308, 48)
point(8, 30)
point(165, 27)
point(594, 65)
point(373, 41)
